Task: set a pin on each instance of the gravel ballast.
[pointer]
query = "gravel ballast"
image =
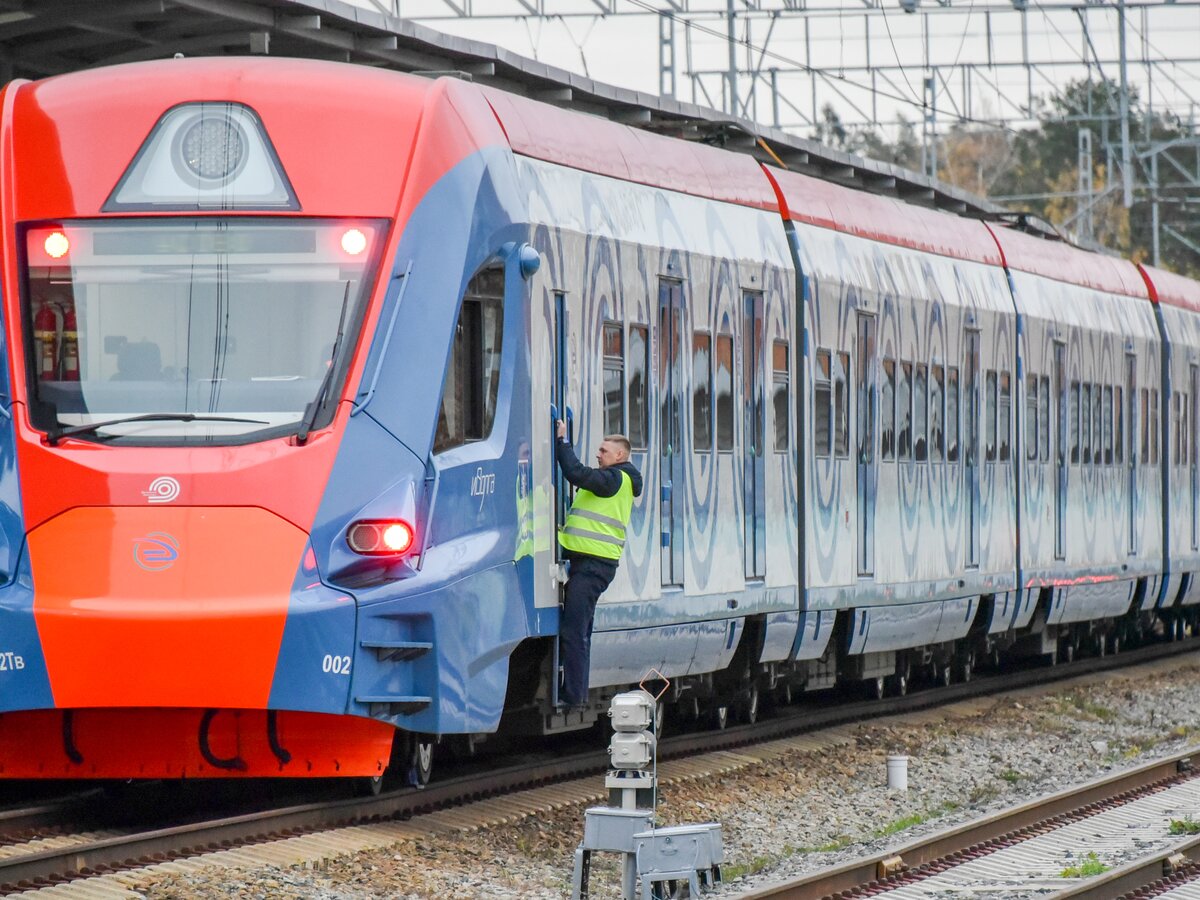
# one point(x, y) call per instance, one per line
point(799, 812)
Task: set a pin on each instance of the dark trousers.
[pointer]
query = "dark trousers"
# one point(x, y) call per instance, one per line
point(588, 578)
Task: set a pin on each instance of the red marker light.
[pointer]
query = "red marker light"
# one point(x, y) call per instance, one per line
point(387, 537)
point(56, 245)
point(354, 241)
point(397, 537)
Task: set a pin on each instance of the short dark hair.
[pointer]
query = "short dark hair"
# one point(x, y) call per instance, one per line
point(620, 440)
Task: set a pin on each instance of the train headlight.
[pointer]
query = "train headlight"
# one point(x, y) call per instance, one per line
point(208, 155)
point(56, 245)
point(381, 537)
point(212, 147)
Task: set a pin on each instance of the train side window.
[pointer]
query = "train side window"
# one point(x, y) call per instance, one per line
point(1155, 418)
point(724, 391)
point(701, 391)
point(887, 411)
point(472, 381)
point(639, 402)
point(920, 413)
point(1073, 422)
point(937, 414)
point(1004, 417)
point(1031, 418)
point(1107, 418)
point(1117, 425)
point(989, 415)
point(1097, 425)
point(1145, 426)
point(780, 393)
point(823, 405)
point(841, 405)
point(614, 378)
point(904, 411)
point(952, 414)
point(1044, 417)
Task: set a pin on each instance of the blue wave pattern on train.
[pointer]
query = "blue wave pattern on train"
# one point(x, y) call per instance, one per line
point(875, 437)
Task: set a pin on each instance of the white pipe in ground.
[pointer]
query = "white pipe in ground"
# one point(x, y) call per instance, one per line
point(897, 773)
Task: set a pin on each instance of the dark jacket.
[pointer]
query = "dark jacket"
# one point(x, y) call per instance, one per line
point(601, 482)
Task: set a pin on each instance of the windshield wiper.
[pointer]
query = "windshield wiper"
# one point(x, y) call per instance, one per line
point(310, 411)
point(55, 435)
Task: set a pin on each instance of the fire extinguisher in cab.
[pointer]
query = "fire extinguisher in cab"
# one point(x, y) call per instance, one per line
point(70, 347)
point(45, 334)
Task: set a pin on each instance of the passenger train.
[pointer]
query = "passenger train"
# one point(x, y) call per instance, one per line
point(285, 344)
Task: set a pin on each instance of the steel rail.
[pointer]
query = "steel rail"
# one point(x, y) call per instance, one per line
point(1042, 813)
point(1137, 875)
point(142, 848)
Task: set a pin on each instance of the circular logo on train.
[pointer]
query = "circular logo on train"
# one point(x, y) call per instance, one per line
point(163, 489)
point(156, 551)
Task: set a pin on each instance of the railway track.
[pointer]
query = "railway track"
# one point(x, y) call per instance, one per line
point(83, 857)
point(1029, 849)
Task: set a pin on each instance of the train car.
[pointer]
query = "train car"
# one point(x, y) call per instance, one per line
point(277, 489)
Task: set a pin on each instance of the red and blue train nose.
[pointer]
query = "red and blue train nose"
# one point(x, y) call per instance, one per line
point(163, 606)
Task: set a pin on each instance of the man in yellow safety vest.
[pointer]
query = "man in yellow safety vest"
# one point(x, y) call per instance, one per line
point(592, 540)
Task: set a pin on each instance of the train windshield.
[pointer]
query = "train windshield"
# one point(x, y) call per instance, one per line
point(181, 331)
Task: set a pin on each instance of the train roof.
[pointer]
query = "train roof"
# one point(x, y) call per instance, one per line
point(825, 204)
point(1065, 262)
point(1171, 289)
point(591, 144)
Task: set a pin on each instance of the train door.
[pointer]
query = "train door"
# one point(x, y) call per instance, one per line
point(1060, 467)
point(560, 401)
point(1131, 431)
point(1189, 445)
point(754, 435)
point(670, 432)
point(558, 397)
point(971, 456)
point(865, 398)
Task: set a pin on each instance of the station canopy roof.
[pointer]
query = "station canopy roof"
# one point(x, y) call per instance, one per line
point(40, 38)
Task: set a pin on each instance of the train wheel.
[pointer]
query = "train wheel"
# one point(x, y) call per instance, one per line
point(1114, 643)
point(966, 665)
point(1102, 645)
point(420, 760)
point(720, 717)
point(945, 675)
point(660, 718)
point(368, 786)
point(898, 684)
point(750, 706)
point(877, 688)
point(784, 693)
point(1067, 654)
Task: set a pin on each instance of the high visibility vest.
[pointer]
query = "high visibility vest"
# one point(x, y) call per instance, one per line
point(596, 525)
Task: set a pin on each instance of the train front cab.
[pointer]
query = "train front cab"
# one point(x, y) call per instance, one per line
point(227, 611)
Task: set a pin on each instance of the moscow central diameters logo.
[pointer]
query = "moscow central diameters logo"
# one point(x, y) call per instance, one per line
point(156, 551)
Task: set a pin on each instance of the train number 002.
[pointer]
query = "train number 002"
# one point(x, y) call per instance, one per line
point(338, 665)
